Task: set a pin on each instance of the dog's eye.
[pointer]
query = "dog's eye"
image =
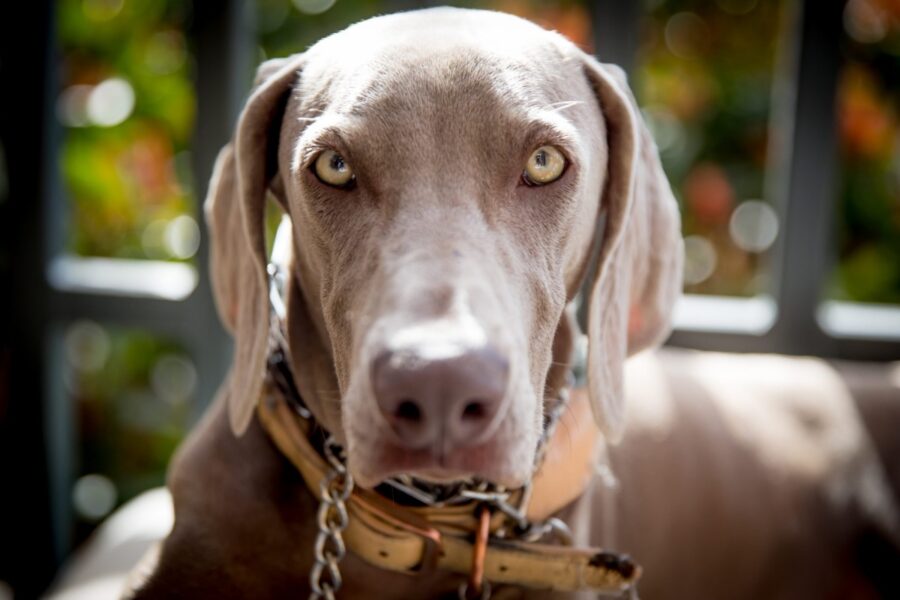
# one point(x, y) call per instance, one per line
point(333, 170)
point(545, 165)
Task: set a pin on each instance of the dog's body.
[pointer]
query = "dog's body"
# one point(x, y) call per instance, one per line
point(436, 243)
point(756, 494)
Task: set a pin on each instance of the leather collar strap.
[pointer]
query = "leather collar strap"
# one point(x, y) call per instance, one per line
point(408, 539)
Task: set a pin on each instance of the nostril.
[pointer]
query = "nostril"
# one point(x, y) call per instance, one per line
point(474, 411)
point(408, 410)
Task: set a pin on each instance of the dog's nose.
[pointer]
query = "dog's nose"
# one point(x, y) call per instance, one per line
point(446, 401)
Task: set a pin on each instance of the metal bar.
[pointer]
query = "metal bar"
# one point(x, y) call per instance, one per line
point(180, 320)
point(224, 51)
point(60, 433)
point(27, 553)
point(806, 199)
point(615, 25)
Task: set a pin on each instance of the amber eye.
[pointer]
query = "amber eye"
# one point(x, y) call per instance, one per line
point(333, 170)
point(545, 165)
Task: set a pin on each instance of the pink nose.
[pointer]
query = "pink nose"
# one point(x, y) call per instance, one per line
point(446, 402)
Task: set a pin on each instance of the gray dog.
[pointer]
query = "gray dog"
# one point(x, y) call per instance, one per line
point(453, 177)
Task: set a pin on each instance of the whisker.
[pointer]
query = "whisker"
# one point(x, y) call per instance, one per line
point(558, 106)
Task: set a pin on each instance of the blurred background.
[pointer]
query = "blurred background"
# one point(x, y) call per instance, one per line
point(777, 122)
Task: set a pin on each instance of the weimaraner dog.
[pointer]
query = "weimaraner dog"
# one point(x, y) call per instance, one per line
point(451, 176)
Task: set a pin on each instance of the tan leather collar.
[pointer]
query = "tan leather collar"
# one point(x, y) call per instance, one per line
point(407, 539)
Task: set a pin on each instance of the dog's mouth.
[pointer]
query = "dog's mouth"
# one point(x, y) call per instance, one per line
point(481, 462)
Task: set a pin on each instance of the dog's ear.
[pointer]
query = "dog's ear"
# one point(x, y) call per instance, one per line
point(638, 274)
point(235, 209)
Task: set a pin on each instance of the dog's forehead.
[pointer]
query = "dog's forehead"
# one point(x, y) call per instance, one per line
point(444, 52)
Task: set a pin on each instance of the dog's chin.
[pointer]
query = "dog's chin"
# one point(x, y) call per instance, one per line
point(486, 462)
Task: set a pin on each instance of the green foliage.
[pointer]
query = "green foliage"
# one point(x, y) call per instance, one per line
point(119, 178)
point(704, 80)
point(868, 217)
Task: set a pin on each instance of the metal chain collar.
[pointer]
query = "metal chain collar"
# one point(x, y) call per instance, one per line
point(337, 486)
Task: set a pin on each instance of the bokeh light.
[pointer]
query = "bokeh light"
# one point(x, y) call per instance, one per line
point(71, 108)
point(313, 7)
point(110, 102)
point(699, 259)
point(686, 35)
point(94, 496)
point(173, 378)
point(753, 226)
point(87, 346)
point(182, 237)
point(166, 51)
point(865, 21)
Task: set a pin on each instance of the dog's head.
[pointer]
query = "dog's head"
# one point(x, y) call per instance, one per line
point(447, 173)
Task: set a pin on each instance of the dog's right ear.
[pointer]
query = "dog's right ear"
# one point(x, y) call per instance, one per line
point(235, 210)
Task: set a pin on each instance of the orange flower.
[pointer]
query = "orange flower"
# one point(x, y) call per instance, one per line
point(572, 21)
point(866, 123)
point(709, 194)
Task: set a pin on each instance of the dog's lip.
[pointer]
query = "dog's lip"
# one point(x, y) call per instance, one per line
point(441, 476)
point(462, 465)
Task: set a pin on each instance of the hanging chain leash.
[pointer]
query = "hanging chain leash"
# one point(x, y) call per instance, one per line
point(332, 520)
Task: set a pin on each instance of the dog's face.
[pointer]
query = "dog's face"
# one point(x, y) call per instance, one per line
point(444, 171)
point(440, 257)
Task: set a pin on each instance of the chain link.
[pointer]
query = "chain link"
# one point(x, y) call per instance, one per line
point(332, 519)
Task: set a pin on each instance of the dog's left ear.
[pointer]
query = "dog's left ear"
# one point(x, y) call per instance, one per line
point(638, 274)
point(235, 209)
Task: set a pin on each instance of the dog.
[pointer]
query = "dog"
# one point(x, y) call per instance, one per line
point(453, 178)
